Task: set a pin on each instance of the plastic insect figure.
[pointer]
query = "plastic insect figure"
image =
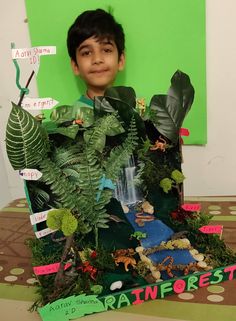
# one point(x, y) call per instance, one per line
point(78, 122)
point(166, 267)
point(160, 144)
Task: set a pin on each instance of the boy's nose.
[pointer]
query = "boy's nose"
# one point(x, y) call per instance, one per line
point(97, 58)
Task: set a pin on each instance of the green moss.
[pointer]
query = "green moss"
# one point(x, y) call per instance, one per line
point(166, 184)
point(177, 176)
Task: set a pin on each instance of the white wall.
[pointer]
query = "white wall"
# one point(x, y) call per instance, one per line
point(13, 29)
point(210, 169)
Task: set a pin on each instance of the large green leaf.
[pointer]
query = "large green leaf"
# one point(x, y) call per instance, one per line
point(168, 111)
point(123, 100)
point(65, 113)
point(26, 142)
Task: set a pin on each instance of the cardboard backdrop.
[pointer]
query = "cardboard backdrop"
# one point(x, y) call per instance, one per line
point(161, 37)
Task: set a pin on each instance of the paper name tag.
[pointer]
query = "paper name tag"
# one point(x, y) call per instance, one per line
point(184, 132)
point(211, 229)
point(39, 217)
point(30, 174)
point(25, 53)
point(49, 269)
point(191, 207)
point(33, 54)
point(38, 103)
point(44, 232)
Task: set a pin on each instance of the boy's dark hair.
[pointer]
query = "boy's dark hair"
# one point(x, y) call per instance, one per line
point(94, 23)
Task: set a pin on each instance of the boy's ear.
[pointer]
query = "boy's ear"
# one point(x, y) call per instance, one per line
point(121, 64)
point(74, 67)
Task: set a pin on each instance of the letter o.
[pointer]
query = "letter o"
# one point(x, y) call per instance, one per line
point(179, 286)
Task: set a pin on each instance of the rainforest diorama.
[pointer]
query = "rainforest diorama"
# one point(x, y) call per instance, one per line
point(112, 190)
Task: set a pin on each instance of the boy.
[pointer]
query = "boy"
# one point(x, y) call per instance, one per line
point(96, 45)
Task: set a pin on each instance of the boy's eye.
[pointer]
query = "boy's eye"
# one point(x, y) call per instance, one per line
point(85, 53)
point(107, 50)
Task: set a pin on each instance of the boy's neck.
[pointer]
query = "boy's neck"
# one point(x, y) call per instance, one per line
point(91, 93)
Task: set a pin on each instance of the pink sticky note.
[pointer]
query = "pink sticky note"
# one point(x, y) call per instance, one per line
point(211, 229)
point(184, 132)
point(191, 207)
point(48, 269)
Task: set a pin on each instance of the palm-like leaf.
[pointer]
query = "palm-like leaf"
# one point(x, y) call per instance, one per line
point(169, 111)
point(25, 139)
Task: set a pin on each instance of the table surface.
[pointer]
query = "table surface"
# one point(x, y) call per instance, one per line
point(213, 303)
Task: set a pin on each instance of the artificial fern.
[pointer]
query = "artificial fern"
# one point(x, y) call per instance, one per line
point(120, 155)
point(96, 137)
point(65, 156)
point(59, 184)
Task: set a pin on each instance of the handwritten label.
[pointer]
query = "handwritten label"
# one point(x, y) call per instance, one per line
point(49, 269)
point(38, 103)
point(184, 132)
point(191, 207)
point(26, 53)
point(33, 54)
point(211, 229)
point(39, 217)
point(30, 174)
point(70, 308)
point(44, 232)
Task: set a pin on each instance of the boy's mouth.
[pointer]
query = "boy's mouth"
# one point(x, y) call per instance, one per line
point(99, 71)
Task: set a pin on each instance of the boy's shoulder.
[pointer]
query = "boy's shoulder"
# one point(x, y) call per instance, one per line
point(83, 101)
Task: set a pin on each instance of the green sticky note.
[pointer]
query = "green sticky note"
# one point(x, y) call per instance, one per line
point(71, 308)
point(162, 36)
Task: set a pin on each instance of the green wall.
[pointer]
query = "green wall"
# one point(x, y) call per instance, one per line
point(161, 37)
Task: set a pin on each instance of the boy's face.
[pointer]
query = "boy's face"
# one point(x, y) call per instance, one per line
point(97, 63)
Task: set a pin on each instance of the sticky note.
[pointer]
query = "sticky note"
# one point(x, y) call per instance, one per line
point(211, 229)
point(184, 132)
point(49, 269)
point(191, 207)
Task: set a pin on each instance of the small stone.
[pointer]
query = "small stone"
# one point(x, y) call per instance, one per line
point(139, 249)
point(202, 264)
point(116, 285)
point(125, 209)
point(193, 252)
point(198, 257)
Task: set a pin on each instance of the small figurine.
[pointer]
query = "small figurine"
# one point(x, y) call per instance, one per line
point(160, 144)
point(125, 256)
